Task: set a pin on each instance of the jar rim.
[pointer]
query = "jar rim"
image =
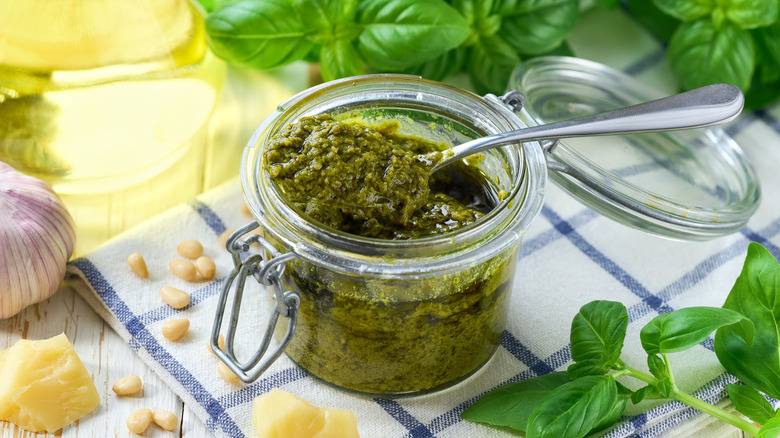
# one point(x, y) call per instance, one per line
point(502, 227)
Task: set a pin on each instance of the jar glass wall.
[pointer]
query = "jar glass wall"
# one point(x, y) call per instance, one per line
point(401, 316)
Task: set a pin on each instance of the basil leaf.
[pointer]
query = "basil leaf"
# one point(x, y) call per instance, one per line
point(208, 5)
point(765, 86)
point(441, 66)
point(665, 386)
point(314, 54)
point(576, 408)
point(613, 416)
point(339, 59)
point(701, 54)
point(659, 24)
point(608, 4)
point(597, 333)
point(756, 294)
point(657, 366)
point(398, 34)
point(490, 64)
point(761, 94)
point(770, 429)
point(511, 404)
point(751, 403)
point(641, 393)
point(750, 14)
point(563, 50)
point(660, 370)
point(534, 27)
point(682, 329)
point(767, 41)
point(686, 10)
point(257, 33)
point(324, 14)
point(623, 390)
point(473, 10)
point(590, 367)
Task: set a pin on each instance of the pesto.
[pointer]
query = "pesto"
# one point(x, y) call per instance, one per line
point(399, 336)
point(380, 335)
point(373, 181)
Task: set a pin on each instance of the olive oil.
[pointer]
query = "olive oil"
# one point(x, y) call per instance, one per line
point(109, 102)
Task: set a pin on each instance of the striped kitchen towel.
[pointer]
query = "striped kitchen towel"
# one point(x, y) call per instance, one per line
point(570, 256)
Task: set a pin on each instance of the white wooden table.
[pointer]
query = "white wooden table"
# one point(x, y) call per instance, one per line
point(107, 358)
point(250, 97)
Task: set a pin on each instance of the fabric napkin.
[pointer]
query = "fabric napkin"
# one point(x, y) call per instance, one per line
point(570, 256)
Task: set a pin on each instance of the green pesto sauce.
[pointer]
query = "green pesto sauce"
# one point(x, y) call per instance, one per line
point(387, 336)
point(394, 337)
point(373, 181)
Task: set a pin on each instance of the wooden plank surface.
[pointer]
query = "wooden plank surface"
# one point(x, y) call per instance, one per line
point(107, 358)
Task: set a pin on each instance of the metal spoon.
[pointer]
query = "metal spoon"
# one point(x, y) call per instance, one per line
point(700, 107)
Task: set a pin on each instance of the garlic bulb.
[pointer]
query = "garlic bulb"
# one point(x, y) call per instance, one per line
point(36, 240)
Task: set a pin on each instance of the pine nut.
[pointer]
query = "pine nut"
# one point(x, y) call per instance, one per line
point(174, 329)
point(190, 249)
point(206, 267)
point(225, 373)
point(127, 385)
point(176, 298)
point(220, 344)
point(138, 265)
point(139, 421)
point(183, 269)
point(165, 419)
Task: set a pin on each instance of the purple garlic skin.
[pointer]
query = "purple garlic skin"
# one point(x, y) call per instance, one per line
point(37, 237)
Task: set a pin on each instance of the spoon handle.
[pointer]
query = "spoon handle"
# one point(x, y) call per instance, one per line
point(696, 108)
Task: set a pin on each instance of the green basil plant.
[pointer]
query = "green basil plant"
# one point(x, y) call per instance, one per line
point(588, 396)
point(432, 38)
point(710, 41)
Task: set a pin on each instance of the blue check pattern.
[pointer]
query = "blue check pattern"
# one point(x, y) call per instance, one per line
point(568, 251)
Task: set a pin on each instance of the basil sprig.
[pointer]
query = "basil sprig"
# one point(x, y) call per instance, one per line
point(501, 34)
point(342, 35)
point(588, 397)
point(733, 41)
point(432, 38)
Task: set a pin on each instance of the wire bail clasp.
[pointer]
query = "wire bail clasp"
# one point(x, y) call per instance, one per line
point(515, 101)
point(266, 270)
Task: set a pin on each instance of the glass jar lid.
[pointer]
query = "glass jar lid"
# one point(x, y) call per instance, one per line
point(695, 184)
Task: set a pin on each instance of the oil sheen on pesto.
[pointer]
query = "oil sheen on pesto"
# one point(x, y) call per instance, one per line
point(371, 180)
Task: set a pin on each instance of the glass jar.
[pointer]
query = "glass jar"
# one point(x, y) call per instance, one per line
point(405, 317)
point(396, 317)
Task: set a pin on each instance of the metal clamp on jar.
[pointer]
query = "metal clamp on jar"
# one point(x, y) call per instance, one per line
point(397, 317)
point(266, 270)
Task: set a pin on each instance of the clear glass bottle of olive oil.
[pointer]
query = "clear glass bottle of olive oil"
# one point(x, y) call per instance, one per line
point(108, 101)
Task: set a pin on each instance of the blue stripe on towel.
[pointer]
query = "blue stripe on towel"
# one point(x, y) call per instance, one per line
point(524, 354)
point(196, 297)
point(209, 216)
point(407, 420)
point(604, 262)
point(261, 386)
